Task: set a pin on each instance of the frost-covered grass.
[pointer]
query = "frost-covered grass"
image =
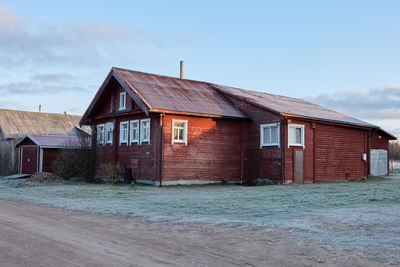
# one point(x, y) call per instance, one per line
point(354, 212)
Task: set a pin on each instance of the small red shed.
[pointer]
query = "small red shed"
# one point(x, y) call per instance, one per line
point(37, 152)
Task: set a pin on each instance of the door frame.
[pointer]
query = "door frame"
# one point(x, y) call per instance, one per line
point(22, 156)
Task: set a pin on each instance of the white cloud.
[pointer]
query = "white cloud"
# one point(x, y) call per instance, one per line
point(377, 105)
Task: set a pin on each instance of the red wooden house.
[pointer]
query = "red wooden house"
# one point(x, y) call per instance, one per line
point(166, 130)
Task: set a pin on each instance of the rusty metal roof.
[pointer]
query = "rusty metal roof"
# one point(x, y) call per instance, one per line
point(158, 93)
point(173, 94)
point(54, 141)
point(291, 106)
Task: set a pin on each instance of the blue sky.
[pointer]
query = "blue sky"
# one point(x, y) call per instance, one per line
point(341, 54)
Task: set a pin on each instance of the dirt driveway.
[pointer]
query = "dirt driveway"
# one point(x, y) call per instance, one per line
point(34, 235)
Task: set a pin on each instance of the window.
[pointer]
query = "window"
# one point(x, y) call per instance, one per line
point(122, 101)
point(295, 135)
point(109, 128)
point(269, 135)
point(123, 133)
point(134, 134)
point(179, 132)
point(100, 134)
point(145, 131)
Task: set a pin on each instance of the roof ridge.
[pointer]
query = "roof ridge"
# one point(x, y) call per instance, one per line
point(161, 75)
point(36, 112)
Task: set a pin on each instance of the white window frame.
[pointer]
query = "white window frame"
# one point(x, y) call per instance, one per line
point(184, 141)
point(270, 125)
point(142, 129)
point(100, 142)
point(301, 126)
point(131, 137)
point(123, 141)
point(122, 101)
point(106, 132)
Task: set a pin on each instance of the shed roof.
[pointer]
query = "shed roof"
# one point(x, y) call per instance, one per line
point(18, 123)
point(54, 141)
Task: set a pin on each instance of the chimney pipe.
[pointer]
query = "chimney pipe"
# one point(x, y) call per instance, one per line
point(182, 69)
point(40, 108)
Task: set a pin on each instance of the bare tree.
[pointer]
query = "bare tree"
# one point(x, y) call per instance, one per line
point(76, 159)
point(394, 154)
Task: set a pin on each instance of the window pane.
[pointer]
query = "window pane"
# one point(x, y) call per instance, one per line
point(292, 135)
point(176, 134)
point(298, 135)
point(274, 135)
point(180, 134)
point(267, 135)
point(179, 124)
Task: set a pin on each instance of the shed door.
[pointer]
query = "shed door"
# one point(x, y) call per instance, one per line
point(29, 160)
point(298, 162)
point(379, 162)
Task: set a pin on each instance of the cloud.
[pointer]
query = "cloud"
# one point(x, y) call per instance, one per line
point(33, 44)
point(380, 106)
point(8, 19)
point(14, 105)
point(53, 78)
point(43, 84)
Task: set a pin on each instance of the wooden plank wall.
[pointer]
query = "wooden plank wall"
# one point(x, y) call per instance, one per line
point(264, 163)
point(308, 152)
point(49, 155)
point(8, 156)
point(339, 153)
point(143, 159)
point(213, 150)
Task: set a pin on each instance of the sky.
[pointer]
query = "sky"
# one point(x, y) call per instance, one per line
point(343, 55)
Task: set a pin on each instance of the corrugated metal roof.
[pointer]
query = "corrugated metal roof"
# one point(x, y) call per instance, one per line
point(18, 123)
point(61, 141)
point(174, 94)
point(291, 106)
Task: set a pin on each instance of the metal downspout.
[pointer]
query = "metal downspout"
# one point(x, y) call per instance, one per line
point(284, 149)
point(161, 148)
point(369, 151)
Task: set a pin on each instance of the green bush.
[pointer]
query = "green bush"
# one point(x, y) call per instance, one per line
point(111, 171)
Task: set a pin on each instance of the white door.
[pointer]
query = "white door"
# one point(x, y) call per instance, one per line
point(379, 162)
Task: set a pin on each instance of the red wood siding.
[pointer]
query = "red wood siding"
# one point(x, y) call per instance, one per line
point(339, 153)
point(142, 159)
point(264, 163)
point(213, 151)
point(110, 101)
point(379, 141)
point(49, 155)
point(308, 152)
point(27, 142)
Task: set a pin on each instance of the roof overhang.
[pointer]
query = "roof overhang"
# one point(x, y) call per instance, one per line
point(194, 114)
